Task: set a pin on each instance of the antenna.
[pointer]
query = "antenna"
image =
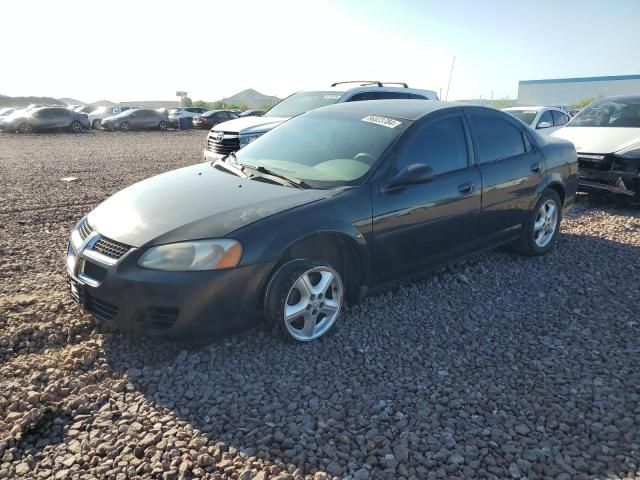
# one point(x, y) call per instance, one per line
point(450, 75)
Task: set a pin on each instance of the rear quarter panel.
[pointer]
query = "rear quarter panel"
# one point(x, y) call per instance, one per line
point(562, 167)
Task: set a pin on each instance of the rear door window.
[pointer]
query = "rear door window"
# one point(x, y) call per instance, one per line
point(496, 138)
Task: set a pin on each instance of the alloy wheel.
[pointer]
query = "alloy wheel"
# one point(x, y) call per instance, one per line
point(313, 303)
point(76, 127)
point(25, 128)
point(546, 223)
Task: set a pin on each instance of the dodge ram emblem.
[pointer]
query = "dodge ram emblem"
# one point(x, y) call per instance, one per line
point(219, 136)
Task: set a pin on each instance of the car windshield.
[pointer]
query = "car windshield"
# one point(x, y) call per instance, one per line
point(526, 116)
point(324, 148)
point(302, 102)
point(623, 112)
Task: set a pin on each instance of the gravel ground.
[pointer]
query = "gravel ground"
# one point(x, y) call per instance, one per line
point(499, 367)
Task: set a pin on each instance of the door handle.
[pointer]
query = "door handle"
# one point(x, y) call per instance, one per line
point(535, 168)
point(466, 188)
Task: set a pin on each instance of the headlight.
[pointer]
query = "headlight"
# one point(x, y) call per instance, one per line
point(193, 256)
point(247, 139)
point(631, 152)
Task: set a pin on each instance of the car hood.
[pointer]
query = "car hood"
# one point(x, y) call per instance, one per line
point(246, 125)
point(110, 118)
point(192, 203)
point(599, 139)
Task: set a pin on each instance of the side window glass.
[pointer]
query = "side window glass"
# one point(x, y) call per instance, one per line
point(496, 138)
point(559, 118)
point(545, 118)
point(442, 145)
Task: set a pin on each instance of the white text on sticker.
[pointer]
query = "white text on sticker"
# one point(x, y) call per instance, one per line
point(384, 121)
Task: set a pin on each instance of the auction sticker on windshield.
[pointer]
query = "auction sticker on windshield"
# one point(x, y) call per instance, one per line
point(384, 121)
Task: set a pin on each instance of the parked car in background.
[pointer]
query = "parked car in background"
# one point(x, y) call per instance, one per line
point(252, 113)
point(136, 119)
point(544, 119)
point(606, 135)
point(313, 214)
point(44, 118)
point(231, 136)
point(175, 114)
point(213, 117)
point(86, 108)
point(100, 113)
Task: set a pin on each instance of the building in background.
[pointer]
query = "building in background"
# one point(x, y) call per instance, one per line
point(571, 91)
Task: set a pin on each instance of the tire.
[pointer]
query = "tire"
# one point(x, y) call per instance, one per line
point(125, 127)
point(163, 126)
point(76, 126)
point(540, 231)
point(25, 128)
point(96, 124)
point(315, 288)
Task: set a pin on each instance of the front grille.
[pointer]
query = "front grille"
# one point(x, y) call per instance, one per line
point(157, 318)
point(85, 229)
point(110, 248)
point(225, 147)
point(94, 271)
point(100, 309)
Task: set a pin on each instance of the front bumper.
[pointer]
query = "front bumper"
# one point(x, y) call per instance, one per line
point(613, 181)
point(179, 305)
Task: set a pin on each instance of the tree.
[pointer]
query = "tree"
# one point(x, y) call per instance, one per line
point(201, 104)
point(186, 102)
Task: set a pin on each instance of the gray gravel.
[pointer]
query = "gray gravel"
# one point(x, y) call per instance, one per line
point(499, 367)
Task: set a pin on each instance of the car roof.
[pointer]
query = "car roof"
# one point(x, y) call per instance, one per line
point(370, 88)
point(532, 107)
point(406, 109)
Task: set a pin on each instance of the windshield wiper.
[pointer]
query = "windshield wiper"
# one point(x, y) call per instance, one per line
point(233, 168)
point(296, 182)
point(236, 167)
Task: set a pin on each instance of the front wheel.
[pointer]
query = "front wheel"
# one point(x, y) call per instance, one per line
point(76, 126)
point(304, 300)
point(540, 231)
point(125, 127)
point(163, 126)
point(96, 124)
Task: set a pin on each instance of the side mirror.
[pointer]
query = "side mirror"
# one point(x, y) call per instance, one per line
point(410, 175)
point(544, 125)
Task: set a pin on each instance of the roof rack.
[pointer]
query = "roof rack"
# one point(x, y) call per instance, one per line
point(361, 82)
point(371, 82)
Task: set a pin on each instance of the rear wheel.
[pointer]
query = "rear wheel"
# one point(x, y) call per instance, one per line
point(96, 124)
point(163, 126)
point(125, 127)
point(304, 300)
point(25, 128)
point(76, 126)
point(541, 229)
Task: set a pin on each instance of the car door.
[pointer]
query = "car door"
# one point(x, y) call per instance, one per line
point(511, 168)
point(421, 225)
point(62, 118)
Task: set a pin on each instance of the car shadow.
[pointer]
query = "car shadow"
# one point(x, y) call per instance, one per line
point(533, 372)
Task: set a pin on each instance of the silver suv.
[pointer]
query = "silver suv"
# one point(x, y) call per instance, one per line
point(230, 136)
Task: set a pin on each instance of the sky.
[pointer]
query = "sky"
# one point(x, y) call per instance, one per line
point(147, 50)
